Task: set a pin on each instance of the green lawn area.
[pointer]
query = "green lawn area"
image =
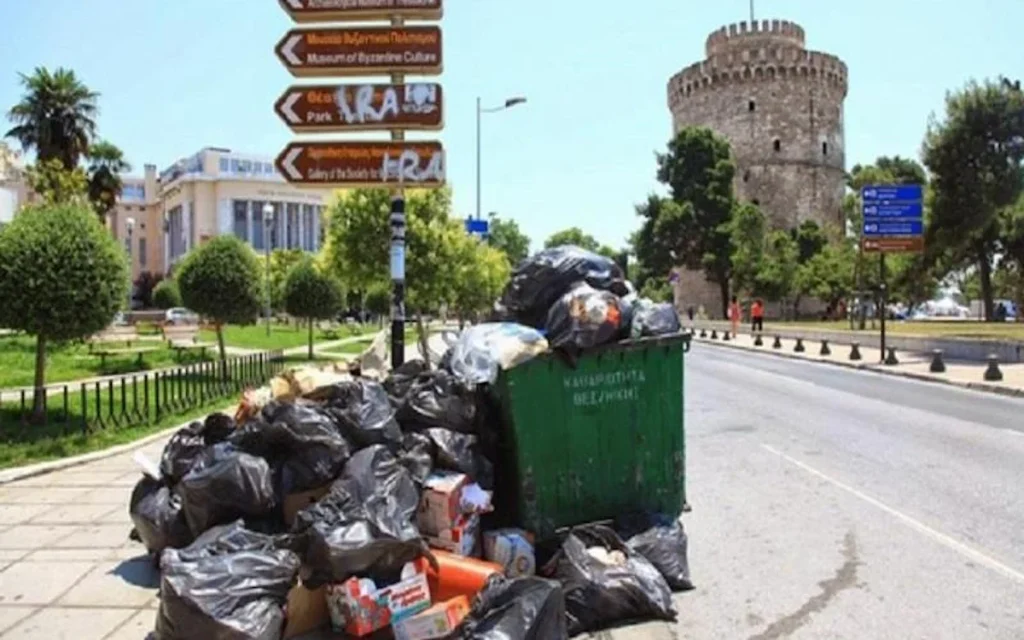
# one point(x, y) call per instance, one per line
point(355, 348)
point(930, 328)
point(112, 413)
point(281, 336)
point(71, 361)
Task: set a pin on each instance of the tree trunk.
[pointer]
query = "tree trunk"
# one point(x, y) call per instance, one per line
point(311, 338)
point(985, 275)
point(723, 288)
point(222, 350)
point(39, 393)
point(421, 331)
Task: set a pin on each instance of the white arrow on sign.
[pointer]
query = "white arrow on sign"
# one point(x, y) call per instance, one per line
point(286, 108)
point(288, 163)
point(288, 50)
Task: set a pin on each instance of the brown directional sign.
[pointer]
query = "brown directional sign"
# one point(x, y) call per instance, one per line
point(361, 51)
point(893, 245)
point(363, 164)
point(361, 107)
point(344, 10)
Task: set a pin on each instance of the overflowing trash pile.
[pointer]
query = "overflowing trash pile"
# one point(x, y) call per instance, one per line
point(364, 505)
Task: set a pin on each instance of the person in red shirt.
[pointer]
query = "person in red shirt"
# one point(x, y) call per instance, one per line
point(757, 316)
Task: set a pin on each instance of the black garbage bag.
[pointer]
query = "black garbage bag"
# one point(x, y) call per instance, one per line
point(218, 427)
point(230, 584)
point(365, 525)
point(522, 609)
point(181, 452)
point(662, 541)
point(417, 456)
point(156, 513)
point(398, 383)
point(438, 399)
point(650, 319)
point(461, 452)
point(540, 280)
point(225, 484)
point(600, 592)
point(363, 412)
point(300, 441)
point(583, 318)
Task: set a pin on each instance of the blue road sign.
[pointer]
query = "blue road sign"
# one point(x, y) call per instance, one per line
point(879, 194)
point(882, 228)
point(477, 227)
point(911, 210)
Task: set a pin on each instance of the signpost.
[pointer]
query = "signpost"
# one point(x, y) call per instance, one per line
point(893, 223)
point(397, 107)
point(477, 226)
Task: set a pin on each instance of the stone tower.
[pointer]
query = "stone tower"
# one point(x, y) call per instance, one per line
point(781, 108)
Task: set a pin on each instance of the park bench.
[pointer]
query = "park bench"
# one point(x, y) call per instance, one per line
point(105, 344)
point(184, 337)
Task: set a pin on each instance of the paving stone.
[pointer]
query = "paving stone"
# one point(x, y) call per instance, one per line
point(87, 478)
point(43, 495)
point(79, 514)
point(70, 624)
point(99, 536)
point(115, 584)
point(135, 628)
point(10, 616)
point(11, 514)
point(109, 495)
point(68, 555)
point(119, 515)
point(30, 536)
point(25, 583)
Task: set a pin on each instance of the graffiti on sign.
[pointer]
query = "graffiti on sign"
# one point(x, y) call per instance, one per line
point(342, 10)
point(363, 164)
point(361, 51)
point(355, 107)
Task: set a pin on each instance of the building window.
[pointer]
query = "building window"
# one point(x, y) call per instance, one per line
point(175, 233)
point(191, 225)
point(240, 210)
point(751, 106)
point(275, 227)
point(777, 145)
point(292, 225)
point(746, 176)
point(224, 166)
point(308, 227)
point(259, 229)
point(824, 148)
point(142, 253)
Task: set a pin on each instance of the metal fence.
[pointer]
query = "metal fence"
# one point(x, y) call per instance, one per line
point(135, 399)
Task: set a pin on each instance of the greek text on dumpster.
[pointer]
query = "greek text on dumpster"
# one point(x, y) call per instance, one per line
point(596, 389)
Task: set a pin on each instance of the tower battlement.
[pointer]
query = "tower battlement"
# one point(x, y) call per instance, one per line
point(745, 35)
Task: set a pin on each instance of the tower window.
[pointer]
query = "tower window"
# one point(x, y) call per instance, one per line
point(824, 148)
point(746, 176)
point(751, 106)
point(777, 144)
point(756, 202)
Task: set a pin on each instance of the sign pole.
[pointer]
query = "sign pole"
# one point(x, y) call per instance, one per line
point(397, 248)
point(884, 298)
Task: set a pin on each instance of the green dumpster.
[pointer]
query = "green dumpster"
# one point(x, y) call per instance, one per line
point(599, 438)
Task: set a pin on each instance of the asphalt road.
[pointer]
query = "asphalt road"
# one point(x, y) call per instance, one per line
point(831, 503)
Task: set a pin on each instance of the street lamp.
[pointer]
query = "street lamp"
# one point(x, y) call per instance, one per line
point(268, 220)
point(511, 102)
point(129, 225)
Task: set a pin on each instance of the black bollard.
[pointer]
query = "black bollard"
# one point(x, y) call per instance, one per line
point(703, 333)
point(778, 343)
point(855, 351)
point(825, 351)
point(992, 373)
point(714, 335)
point(725, 336)
point(799, 348)
point(937, 366)
point(758, 342)
point(890, 358)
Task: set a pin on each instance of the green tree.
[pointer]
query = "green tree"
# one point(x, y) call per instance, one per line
point(699, 171)
point(576, 236)
point(56, 116)
point(57, 185)
point(657, 290)
point(282, 261)
point(482, 274)
point(829, 274)
point(506, 236)
point(220, 281)
point(106, 164)
point(974, 157)
point(378, 299)
point(166, 294)
point(776, 279)
point(62, 277)
point(748, 229)
point(311, 295)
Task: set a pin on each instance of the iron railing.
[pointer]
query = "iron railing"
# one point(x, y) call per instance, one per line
point(134, 399)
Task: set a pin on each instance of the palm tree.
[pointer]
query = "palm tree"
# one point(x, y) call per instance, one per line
point(106, 164)
point(56, 116)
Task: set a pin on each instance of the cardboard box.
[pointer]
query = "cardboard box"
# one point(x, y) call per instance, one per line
point(305, 611)
point(461, 538)
point(296, 502)
point(358, 607)
point(512, 549)
point(439, 506)
point(439, 621)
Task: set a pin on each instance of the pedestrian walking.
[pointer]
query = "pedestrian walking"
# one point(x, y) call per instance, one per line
point(757, 316)
point(689, 314)
point(734, 315)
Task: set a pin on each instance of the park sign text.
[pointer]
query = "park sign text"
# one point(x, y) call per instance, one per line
point(893, 218)
point(352, 10)
point(361, 107)
point(361, 51)
point(360, 163)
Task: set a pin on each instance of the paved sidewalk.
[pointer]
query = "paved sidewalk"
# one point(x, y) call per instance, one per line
point(911, 365)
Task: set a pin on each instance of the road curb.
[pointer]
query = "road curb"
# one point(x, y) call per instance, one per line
point(15, 474)
point(973, 386)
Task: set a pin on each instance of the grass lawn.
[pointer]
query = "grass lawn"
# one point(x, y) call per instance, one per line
point(70, 361)
point(355, 348)
point(930, 328)
point(281, 336)
point(115, 413)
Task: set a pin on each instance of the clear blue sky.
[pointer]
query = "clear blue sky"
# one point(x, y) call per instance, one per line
point(177, 75)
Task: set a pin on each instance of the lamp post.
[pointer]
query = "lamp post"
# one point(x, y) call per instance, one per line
point(268, 220)
point(129, 225)
point(480, 111)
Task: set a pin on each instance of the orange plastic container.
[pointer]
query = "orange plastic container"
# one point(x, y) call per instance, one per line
point(458, 576)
